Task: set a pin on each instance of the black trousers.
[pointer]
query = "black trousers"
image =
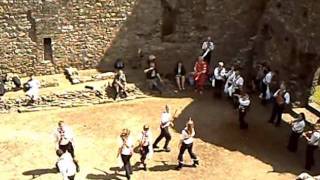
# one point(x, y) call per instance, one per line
point(144, 152)
point(293, 141)
point(164, 134)
point(277, 113)
point(126, 164)
point(218, 88)
point(68, 147)
point(242, 115)
point(309, 156)
point(183, 148)
point(264, 88)
point(235, 99)
point(207, 58)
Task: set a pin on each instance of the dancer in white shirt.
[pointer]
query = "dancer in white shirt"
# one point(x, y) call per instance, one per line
point(186, 143)
point(64, 138)
point(126, 151)
point(298, 126)
point(145, 145)
point(166, 122)
point(207, 47)
point(66, 165)
point(313, 138)
point(219, 78)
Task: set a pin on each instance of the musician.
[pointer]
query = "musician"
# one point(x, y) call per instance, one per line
point(119, 84)
point(145, 145)
point(236, 88)
point(66, 165)
point(186, 143)
point(33, 86)
point(313, 138)
point(219, 78)
point(180, 74)
point(244, 103)
point(207, 48)
point(64, 138)
point(153, 77)
point(200, 74)
point(126, 151)
point(166, 122)
point(265, 86)
point(229, 77)
point(282, 99)
point(298, 126)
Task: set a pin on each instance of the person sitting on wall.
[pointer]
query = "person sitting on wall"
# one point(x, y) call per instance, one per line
point(32, 89)
point(119, 64)
point(180, 75)
point(153, 77)
point(72, 75)
point(119, 85)
point(15, 79)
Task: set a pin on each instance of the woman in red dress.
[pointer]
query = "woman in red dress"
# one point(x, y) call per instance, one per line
point(200, 74)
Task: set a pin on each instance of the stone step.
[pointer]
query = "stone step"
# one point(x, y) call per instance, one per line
point(314, 108)
point(310, 117)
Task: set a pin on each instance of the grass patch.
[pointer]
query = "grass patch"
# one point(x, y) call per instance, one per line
point(316, 95)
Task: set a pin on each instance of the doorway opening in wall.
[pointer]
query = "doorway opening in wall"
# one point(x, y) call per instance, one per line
point(48, 53)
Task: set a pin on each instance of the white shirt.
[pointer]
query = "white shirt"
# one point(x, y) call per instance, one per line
point(238, 81)
point(230, 75)
point(33, 92)
point(34, 83)
point(63, 135)
point(268, 78)
point(286, 96)
point(186, 138)
point(244, 102)
point(126, 149)
point(208, 45)
point(165, 119)
point(146, 138)
point(298, 126)
point(314, 140)
point(66, 166)
point(217, 75)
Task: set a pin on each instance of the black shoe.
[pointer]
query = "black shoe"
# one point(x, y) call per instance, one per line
point(167, 149)
point(271, 122)
point(155, 147)
point(178, 167)
point(144, 167)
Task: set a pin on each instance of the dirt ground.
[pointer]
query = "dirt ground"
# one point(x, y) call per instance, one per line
point(225, 152)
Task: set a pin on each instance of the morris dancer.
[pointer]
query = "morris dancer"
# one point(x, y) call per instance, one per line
point(282, 99)
point(126, 151)
point(186, 143)
point(236, 88)
point(298, 126)
point(265, 86)
point(66, 165)
point(200, 74)
point(244, 103)
point(166, 121)
point(229, 76)
point(219, 78)
point(64, 138)
point(145, 145)
point(313, 138)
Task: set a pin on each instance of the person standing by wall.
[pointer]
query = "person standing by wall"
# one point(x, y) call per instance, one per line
point(207, 47)
point(219, 78)
point(200, 74)
point(180, 75)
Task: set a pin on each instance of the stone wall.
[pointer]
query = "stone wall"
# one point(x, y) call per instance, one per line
point(80, 31)
point(289, 41)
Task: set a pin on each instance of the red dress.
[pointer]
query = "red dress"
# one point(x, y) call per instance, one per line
point(201, 74)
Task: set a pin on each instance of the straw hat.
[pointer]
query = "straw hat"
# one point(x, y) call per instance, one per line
point(152, 57)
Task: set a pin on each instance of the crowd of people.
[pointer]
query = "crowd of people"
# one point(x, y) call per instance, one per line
point(225, 82)
point(68, 166)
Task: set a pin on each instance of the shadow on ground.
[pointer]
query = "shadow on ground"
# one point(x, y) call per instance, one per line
point(39, 172)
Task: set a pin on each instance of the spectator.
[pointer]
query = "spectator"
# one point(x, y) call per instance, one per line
point(153, 77)
point(180, 75)
point(119, 85)
point(119, 64)
point(200, 74)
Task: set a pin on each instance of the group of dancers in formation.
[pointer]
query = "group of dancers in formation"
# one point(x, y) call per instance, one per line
point(228, 81)
point(68, 166)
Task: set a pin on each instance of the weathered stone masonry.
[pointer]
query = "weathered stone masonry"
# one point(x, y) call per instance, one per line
point(80, 31)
